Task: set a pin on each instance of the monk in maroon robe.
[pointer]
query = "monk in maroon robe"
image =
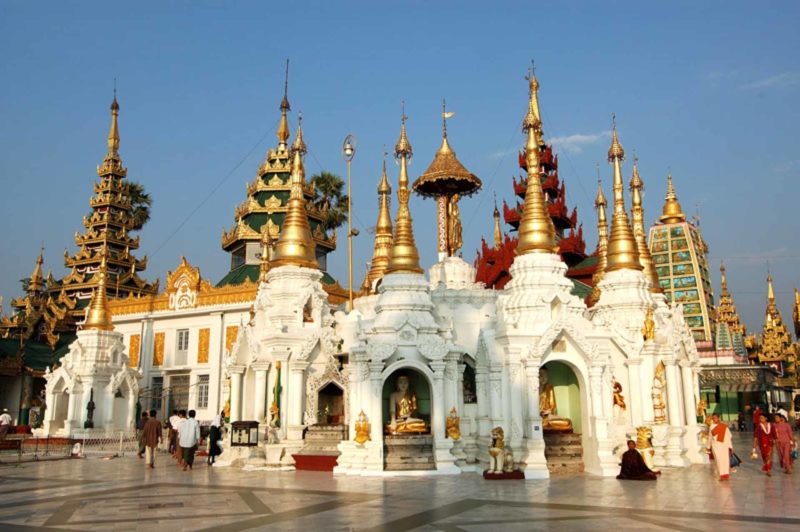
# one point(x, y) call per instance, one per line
point(633, 466)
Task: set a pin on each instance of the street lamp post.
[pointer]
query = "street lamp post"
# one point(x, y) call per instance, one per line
point(348, 152)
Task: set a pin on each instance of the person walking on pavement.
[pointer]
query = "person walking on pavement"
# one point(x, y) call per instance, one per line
point(140, 423)
point(189, 437)
point(151, 434)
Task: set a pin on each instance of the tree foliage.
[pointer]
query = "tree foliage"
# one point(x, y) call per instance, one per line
point(329, 198)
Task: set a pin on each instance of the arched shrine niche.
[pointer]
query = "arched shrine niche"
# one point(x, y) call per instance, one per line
point(559, 392)
point(406, 403)
point(330, 403)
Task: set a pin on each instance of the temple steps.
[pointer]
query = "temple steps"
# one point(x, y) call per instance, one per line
point(408, 452)
point(564, 453)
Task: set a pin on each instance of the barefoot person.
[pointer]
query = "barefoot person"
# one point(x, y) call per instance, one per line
point(720, 447)
point(189, 437)
point(784, 441)
point(763, 439)
point(151, 436)
point(633, 466)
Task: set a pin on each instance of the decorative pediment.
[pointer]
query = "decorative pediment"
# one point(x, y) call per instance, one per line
point(378, 351)
point(184, 285)
point(560, 327)
point(272, 204)
point(433, 347)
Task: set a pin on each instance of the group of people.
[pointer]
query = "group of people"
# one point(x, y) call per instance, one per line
point(767, 436)
point(6, 423)
point(183, 436)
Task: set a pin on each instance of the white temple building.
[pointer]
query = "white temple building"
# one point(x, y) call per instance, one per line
point(416, 376)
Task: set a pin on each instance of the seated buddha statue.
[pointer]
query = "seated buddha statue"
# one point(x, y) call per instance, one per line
point(551, 422)
point(403, 408)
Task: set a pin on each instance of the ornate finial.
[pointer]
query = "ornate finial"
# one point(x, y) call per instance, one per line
point(672, 211)
point(283, 128)
point(533, 118)
point(295, 244)
point(112, 163)
point(404, 256)
point(403, 147)
point(770, 289)
point(600, 204)
point(299, 144)
point(98, 316)
point(383, 232)
point(36, 283)
point(723, 278)
point(623, 250)
point(637, 213)
point(498, 233)
point(537, 234)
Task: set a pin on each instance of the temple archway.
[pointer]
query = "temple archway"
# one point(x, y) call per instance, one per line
point(564, 435)
point(330, 405)
point(407, 407)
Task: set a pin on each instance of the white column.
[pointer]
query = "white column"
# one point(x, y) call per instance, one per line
point(260, 394)
point(646, 375)
point(482, 394)
point(130, 419)
point(296, 394)
point(73, 405)
point(534, 424)
point(495, 401)
point(460, 388)
point(374, 408)
point(439, 406)
point(687, 385)
point(634, 394)
point(515, 391)
point(236, 395)
point(673, 398)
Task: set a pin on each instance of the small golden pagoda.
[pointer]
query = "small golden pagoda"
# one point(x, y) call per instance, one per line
point(775, 347)
point(383, 235)
point(637, 213)
point(600, 204)
point(623, 251)
point(730, 332)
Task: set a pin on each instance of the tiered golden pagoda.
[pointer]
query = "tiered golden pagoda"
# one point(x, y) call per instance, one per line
point(37, 316)
point(404, 257)
point(637, 213)
point(623, 251)
point(295, 245)
point(383, 235)
point(108, 228)
point(775, 347)
point(796, 313)
point(600, 204)
point(537, 234)
point(730, 333)
point(266, 208)
point(98, 317)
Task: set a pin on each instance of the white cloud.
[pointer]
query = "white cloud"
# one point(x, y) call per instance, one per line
point(787, 166)
point(576, 142)
point(499, 154)
point(782, 80)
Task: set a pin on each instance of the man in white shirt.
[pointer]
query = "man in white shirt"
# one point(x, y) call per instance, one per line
point(174, 419)
point(5, 423)
point(189, 437)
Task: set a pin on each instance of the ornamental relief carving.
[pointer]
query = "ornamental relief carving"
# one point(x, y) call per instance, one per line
point(378, 351)
point(432, 347)
point(315, 383)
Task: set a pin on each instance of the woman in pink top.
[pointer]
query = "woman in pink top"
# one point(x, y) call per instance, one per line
point(784, 441)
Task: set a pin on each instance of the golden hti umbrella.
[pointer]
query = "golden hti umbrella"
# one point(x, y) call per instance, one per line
point(447, 180)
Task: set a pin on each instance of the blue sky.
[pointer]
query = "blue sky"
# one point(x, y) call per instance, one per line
point(708, 90)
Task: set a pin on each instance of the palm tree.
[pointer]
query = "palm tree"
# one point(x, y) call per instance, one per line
point(140, 204)
point(329, 199)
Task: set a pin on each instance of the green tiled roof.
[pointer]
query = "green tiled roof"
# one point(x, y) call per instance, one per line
point(250, 272)
point(36, 355)
point(580, 289)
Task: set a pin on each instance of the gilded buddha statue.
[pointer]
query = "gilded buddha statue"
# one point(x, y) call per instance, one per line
point(402, 408)
point(547, 407)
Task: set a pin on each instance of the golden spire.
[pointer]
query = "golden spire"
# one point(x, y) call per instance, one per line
point(295, 245)
point(723, 279)
point(770, 290)
point(537, 234)
point(623, 251)
point(672, 212)
point(600, 204)
point(637, 213)
point(112, 163)
point(795, 313)
point(498, 234)
point(36, 284)
point(533, 117)
point(404, 256)
point(99, 316)
point(383, 232)
point(283, 128)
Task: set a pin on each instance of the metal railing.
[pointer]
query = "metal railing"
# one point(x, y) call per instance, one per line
point(18, 448)
point(109, 442)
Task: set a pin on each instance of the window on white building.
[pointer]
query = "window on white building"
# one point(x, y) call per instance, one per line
point(202, 391)
point(156, 390)
point(182, 347)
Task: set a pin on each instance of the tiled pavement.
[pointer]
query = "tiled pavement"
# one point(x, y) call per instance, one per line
point(120, 494)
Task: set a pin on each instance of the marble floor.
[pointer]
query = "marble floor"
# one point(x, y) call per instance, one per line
point(120, 494)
